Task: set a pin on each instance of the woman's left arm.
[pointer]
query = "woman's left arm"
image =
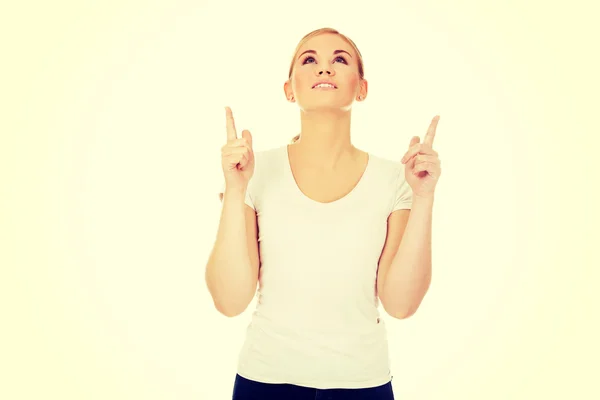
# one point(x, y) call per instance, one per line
point(404, 273)
point(405, 278)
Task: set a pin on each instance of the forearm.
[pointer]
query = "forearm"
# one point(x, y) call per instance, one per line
point(409, 275)
point(228, 271)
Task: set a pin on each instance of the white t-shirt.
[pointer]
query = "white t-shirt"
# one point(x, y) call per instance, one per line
point(316, 321)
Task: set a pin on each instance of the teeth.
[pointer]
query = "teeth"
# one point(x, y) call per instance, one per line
point(323, 85)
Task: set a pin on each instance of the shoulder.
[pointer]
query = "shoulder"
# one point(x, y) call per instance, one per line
point(269, 155)
point(386, 168)
point(264, 161)
point(267, 162)
point(389, 175)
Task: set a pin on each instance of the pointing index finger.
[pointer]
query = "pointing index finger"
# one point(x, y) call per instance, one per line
point(230, 124)
point(431, 131)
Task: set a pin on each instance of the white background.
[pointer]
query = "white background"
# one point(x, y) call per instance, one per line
point(114, 118)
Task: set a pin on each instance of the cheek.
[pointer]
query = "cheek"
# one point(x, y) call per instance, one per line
point(352, 81)
point(300, 80)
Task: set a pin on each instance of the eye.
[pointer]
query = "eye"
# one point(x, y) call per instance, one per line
point(337, 58)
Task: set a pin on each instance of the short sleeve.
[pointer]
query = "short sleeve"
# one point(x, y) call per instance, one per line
point(403, 193)
point(248, 199)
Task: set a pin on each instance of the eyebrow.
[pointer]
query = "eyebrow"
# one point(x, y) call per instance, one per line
point(335, 52)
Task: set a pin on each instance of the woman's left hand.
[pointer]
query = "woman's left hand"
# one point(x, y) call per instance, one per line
point(423, 167)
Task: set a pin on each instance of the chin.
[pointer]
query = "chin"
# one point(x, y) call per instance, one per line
point(324, 108)
point(326, 105)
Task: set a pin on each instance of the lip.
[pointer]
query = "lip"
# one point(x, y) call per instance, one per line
point(326, 82)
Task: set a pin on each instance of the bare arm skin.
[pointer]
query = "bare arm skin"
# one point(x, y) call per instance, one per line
point(232, 268)
point(404, 273)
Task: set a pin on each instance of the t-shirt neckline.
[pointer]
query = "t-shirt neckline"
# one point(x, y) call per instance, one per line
point(292, 180)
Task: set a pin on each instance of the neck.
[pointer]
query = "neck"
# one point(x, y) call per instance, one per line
point(325, 138)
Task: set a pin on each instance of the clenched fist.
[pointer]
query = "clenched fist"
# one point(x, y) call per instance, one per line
point(237, 157)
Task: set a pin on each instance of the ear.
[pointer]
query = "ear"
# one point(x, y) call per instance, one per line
point(287, 90)
point(364, 89)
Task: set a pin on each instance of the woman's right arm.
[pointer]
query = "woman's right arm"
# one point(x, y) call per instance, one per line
point(232, 268)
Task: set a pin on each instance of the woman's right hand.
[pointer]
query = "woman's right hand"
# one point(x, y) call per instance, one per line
point(237, 157)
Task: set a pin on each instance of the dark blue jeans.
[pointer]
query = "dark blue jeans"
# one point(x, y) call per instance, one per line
point(246, 389)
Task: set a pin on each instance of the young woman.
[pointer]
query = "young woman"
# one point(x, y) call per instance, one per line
point(327, 231)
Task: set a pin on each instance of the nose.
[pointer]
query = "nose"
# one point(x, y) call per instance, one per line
point(328, 71)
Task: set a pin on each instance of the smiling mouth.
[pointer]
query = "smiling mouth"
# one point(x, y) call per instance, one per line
point(325, 87)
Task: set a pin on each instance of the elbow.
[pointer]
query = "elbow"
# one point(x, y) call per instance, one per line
point(232, 307)
point(394, 310)
point(404, 311)
point(402, 314)
point(229, 314)
point(227, 304)
point(408, 307)
point(399, 311)
point(231, 293)
point(229, 311)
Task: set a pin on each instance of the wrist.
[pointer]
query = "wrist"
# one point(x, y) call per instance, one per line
point(423, 199)
point(234, 193)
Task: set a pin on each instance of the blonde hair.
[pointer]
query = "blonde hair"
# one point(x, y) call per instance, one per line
point(317, 32)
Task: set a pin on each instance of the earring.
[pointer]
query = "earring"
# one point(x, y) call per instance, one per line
point(360, 97)
point(291, 98)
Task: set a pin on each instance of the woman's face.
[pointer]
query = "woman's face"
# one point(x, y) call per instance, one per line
point(326, 57)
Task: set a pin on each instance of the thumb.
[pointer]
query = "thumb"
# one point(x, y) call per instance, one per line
point(248, 136)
